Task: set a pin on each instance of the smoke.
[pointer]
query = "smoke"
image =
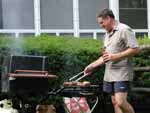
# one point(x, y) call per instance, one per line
point(16, 47)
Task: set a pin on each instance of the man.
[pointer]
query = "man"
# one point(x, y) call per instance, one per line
point(120, 45)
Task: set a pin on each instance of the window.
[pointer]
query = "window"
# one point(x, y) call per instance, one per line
point(66, 34)
point(1, 14)
point(88, 10)
point(100, 36)
point(56, 14)
point(133, 13)
point(141, 35)
point(86, 35)
point(17, 14)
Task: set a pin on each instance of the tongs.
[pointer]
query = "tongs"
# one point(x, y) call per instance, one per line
point(74, 78)
point(77, 75)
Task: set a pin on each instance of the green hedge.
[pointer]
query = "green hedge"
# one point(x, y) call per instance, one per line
point(67, 55)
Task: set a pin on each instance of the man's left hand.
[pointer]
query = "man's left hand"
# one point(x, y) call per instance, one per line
point(111, 57)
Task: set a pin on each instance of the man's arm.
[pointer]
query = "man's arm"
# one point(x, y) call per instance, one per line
point(88, 69)
point(118, 56)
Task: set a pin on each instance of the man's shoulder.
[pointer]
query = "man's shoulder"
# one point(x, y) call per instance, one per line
point(123, 27)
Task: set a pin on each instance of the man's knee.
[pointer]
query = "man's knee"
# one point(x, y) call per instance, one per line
point(120, 103)
point(113, 100)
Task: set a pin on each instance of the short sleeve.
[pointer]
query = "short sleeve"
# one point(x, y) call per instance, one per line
point(129, 38)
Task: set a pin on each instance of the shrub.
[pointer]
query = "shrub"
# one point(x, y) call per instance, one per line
point(67, 56)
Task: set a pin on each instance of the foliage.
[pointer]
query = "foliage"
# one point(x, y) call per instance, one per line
point(144, 40)
point(67, 56)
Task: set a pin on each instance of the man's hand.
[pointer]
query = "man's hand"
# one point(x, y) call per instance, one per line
point(111, 57)
point(118, 56)
point(88, 70)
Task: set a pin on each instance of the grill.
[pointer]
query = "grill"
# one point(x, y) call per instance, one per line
point(73, 88)
point(25, 73)
point(88, 91)
point(25, 77)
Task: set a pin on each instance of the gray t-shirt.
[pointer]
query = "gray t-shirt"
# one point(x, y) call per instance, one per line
point(120, 39)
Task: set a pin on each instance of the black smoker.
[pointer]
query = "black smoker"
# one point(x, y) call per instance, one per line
point(22, 84)
point(25, 76)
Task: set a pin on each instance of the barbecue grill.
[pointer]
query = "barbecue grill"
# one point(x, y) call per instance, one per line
point(25, 77)
point(25, 73)
point(73, 88)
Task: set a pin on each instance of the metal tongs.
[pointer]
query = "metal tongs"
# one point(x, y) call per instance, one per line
point(74, 78)
point(77, 75)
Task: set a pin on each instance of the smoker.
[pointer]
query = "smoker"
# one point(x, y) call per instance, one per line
point(25, 77)
point(25, 73)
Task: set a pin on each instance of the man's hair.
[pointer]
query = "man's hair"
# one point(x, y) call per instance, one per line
point(106, 12)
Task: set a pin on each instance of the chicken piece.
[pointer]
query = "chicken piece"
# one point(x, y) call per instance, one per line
point(86, 83)
point(67, 84)
point(76, 83)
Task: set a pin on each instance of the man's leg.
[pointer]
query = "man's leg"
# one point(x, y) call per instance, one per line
point(108, 88)
point(120, 97)
point(122, 103)
point(117, 109)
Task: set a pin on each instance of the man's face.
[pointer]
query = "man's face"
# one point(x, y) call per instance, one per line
point(105, 23)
